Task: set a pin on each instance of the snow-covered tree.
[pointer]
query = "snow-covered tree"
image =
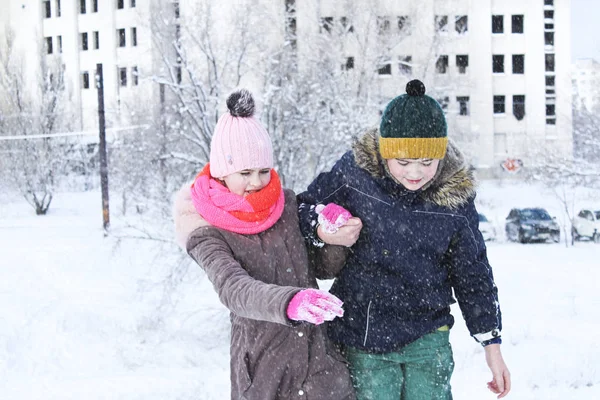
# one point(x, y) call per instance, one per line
point(34, 158)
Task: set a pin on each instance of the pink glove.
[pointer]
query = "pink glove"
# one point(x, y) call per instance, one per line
point(314, 306)
point(332, 216)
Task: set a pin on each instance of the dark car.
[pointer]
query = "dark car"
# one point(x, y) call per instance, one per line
point(531, 224)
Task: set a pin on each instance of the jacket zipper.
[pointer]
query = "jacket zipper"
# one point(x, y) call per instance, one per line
point(367, 327)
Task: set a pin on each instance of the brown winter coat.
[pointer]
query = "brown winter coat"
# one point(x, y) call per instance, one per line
point(255, 277)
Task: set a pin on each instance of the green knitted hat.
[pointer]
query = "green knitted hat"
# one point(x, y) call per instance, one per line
point(413, 126)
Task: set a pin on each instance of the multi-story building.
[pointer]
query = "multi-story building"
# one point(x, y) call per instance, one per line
point(80, 35)
point(586, 84)
point(500, 68)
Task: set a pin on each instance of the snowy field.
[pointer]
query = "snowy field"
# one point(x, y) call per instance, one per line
point(88, 317)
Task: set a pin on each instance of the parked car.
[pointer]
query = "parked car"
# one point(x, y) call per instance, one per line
point(487, 229)
point(529, 224)
point(586, 224)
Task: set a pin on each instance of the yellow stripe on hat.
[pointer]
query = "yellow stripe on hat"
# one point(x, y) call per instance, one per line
point(413, 147)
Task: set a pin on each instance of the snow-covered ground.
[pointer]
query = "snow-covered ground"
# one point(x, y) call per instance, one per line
point(88, 317)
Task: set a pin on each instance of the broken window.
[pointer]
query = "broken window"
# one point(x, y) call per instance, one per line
point(461, 24)
point(441, 23)
point(462, 62)
point(405, 64)
point(441, 65)
point(519, 106)
point(463, 105)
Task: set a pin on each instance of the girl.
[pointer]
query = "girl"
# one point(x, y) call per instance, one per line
point(242, 228)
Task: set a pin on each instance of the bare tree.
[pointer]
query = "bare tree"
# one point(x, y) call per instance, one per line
point(35, 160)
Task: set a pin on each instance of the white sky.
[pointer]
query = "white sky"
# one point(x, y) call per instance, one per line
point(585, 15)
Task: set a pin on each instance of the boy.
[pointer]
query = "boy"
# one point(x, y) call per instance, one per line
point(419, 242)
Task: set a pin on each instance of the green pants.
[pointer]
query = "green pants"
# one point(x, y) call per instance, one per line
point(419, 371)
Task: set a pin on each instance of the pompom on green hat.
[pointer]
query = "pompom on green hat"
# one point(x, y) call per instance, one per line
point(413, 125)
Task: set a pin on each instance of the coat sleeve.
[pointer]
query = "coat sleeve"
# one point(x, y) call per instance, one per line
point(238, 291)
point(472, 278)
point(328, 187)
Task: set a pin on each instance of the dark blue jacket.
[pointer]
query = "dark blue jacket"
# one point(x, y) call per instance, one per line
point(413, 250)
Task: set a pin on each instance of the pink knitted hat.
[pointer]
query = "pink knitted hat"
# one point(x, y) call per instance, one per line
point(240, 141)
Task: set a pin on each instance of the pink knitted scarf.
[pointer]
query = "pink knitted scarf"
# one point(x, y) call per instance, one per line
point(248, 215)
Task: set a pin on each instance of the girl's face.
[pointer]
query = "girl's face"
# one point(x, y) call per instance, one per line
point(248, 181)
point(413, 173)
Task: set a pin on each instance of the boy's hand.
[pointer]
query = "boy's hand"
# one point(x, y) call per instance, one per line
point(346, 235)
point(500, 383)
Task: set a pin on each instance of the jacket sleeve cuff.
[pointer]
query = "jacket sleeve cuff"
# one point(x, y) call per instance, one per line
point(487, 336)
point(497, 340)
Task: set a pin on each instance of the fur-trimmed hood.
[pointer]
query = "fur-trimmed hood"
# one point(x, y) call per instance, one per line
point(452, 186)
point(185, 216)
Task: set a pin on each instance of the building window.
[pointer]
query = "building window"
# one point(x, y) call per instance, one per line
point(383, 25)
point(499, 104)
point(83, 38)
point(49, 49)
point(121, 37)
point(462, 62)
point(549, 27)
point(404, 27)
point(518, 22)
point(134, 36)
point(550, 110)
point(326, 24)
point(122, 76)
point(95, 6)
point(548, 14)
point(463, 105)
point(548, 2)
point(550, 121)
point(549, 38)
point(346, 24)
point(82, 9)
point(550, 80)
point(518, 64)
point(120, 4)
point(441, 65)
point(441, 23)
point(176, 11)
point(58, 8)
point(59, 43)
point(47, 10)
point(85, 80)
point(461, 24)
point(519, 106)
point(134, 76)
point(385, 67)
point(96, 40)
point(497, 23)
point(444, 101)
point(405, 64)
point(349, 64)
point(498, 64)
point(132, 3)
point(549, 62)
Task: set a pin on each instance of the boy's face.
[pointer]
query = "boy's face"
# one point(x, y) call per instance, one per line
point(248, 181)
point(413, 173)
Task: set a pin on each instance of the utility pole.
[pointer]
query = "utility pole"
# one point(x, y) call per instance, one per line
point(102, 149)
